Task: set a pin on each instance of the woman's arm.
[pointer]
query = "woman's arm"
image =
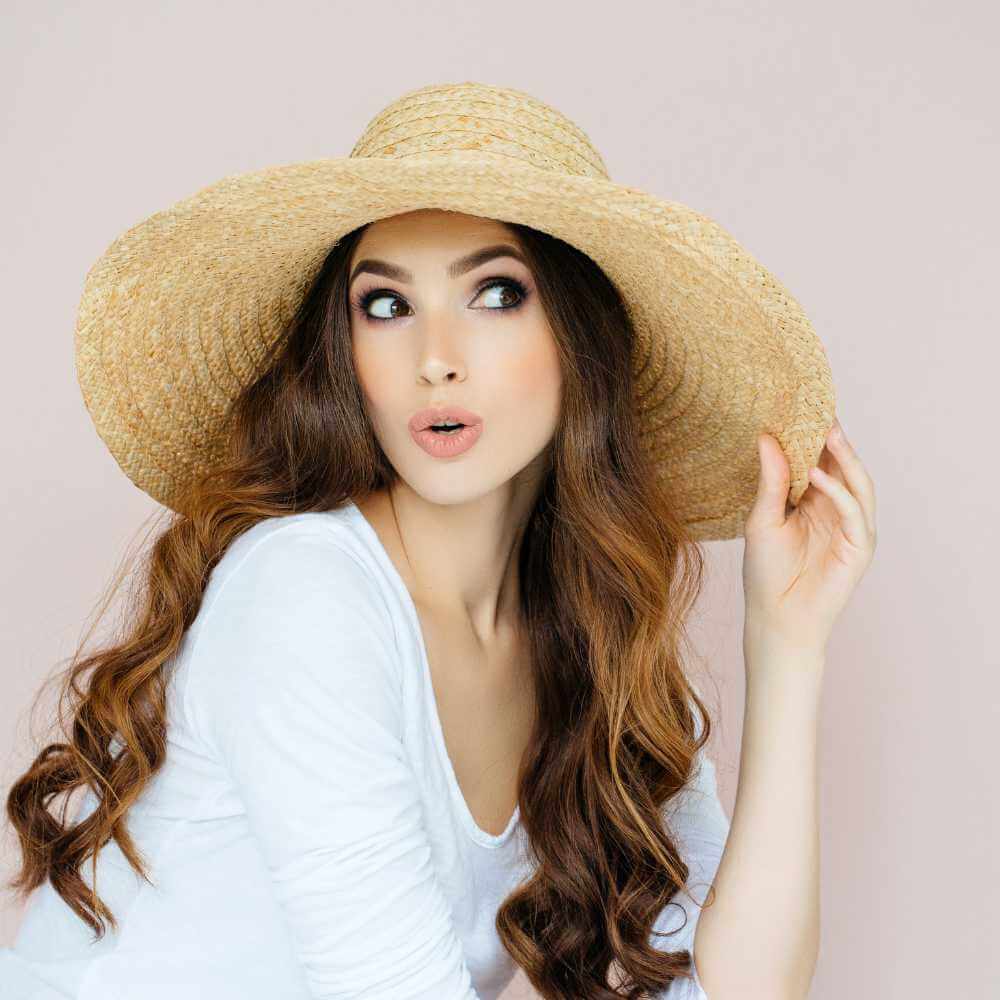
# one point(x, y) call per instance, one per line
point(760, 937)
point(295, 688)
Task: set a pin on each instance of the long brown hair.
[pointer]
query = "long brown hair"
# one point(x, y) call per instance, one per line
point(607, 577)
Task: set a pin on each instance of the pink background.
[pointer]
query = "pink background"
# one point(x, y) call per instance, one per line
point(852, 147)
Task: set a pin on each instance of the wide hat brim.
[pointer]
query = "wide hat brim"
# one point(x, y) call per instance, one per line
point(178, 312)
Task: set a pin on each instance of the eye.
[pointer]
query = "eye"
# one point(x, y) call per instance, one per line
point(380, 295)
point(390, 311)
point(504, 283)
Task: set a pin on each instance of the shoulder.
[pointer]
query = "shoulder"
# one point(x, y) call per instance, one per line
point(291, 612)
point(297, 582)
point(312, 539)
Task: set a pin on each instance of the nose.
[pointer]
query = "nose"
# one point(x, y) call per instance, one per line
point(433, 371)
point(440, 360)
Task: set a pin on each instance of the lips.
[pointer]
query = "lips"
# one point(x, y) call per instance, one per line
point(423, 419)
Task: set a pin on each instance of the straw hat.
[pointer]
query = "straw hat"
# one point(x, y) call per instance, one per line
point(177, 313)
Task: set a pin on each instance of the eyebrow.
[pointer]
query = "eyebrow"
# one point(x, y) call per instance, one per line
point(455, 269)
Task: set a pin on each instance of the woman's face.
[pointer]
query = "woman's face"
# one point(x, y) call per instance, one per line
point(428, 330)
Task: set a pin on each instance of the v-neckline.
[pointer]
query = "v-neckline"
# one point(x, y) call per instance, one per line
point(475, 831)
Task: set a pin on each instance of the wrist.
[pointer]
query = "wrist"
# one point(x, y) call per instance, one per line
point(764, 651)
point(761, 636)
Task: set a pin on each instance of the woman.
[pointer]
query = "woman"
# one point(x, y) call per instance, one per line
point(404, 705)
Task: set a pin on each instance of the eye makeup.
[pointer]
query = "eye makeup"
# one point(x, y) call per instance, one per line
point(361, 301)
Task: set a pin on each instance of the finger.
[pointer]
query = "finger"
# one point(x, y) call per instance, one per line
point(828, 462)
point(852, 516)
point(772, 485)
point(855, 476)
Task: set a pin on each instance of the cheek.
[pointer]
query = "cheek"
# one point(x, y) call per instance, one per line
point(363, 368)
point(375, 371)
point(536, 374)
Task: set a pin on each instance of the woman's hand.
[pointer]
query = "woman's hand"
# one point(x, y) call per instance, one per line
point(799, 571)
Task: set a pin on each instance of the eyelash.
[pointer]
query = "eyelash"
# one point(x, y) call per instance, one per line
point(361, 302)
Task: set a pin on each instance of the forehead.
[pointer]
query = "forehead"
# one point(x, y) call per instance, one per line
point(431, 229)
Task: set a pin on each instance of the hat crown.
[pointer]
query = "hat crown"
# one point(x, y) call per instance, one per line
point(496, 121)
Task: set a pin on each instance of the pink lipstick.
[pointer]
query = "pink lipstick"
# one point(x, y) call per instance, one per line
point(445, 431)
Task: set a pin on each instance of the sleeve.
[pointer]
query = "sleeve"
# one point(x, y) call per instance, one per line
point(700, 827)
point(295, 685)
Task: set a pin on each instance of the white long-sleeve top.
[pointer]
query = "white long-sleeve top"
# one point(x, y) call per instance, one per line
point(306, 836)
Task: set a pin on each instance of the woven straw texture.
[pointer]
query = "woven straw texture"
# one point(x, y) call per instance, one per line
point(177, 313)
